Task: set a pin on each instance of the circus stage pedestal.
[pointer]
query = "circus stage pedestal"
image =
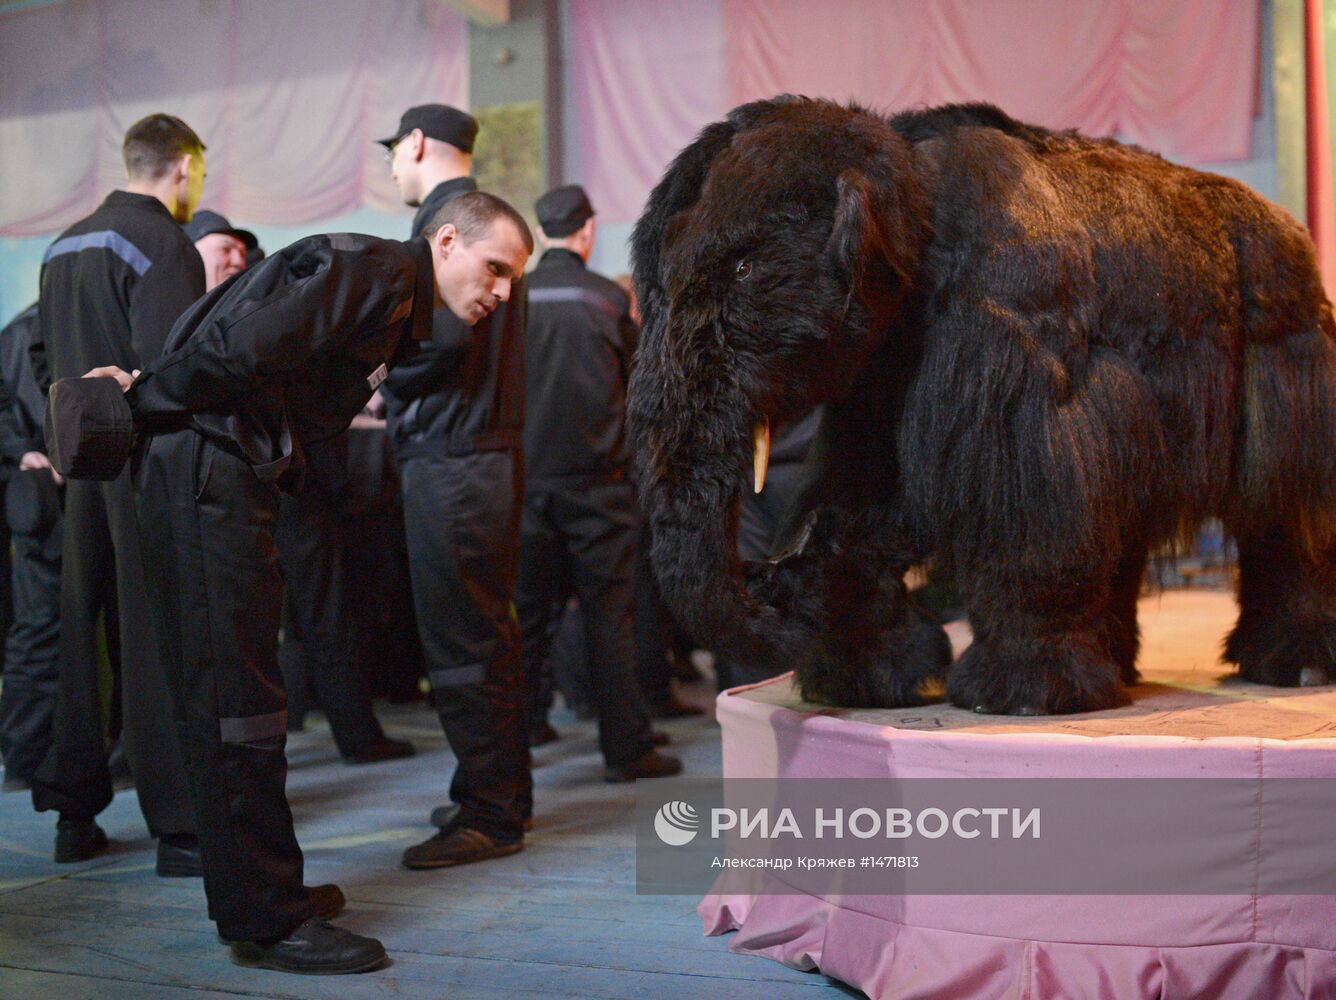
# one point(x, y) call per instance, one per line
point(1188, 719)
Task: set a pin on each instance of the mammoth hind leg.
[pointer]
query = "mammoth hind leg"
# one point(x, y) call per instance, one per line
point(1123, 635)
point(1286, 632)
point(1049, 646)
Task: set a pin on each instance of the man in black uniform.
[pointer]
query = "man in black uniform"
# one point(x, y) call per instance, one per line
point(111, 288)
point(580, 517)
point(455, 414)
point(33, 512)
point(276, 358)
point(310, 553)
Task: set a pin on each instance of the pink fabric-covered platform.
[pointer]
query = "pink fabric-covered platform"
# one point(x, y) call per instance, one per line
point(1186, 720)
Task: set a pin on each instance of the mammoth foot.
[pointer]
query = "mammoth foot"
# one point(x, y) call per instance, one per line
point(1052, 678)
point(875, 663)
point(1284, 652)
point(864, 643)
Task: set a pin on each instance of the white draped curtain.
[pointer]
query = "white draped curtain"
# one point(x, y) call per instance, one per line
point(288, 95)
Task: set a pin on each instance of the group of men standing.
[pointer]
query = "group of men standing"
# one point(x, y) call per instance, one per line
point(230, 396)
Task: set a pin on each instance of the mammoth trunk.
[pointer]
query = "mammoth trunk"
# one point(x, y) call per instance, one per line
point(704, 585)
point(691, 489)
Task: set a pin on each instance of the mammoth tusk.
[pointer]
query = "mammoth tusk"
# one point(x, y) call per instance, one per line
point(760, 452)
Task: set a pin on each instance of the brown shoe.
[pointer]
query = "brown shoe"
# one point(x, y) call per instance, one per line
point(460, 845)
point(381, 749)
point(327, 901)
point(673, 707)
point(659, 738)
point(650, 764)
point(445, 816)
point(542, 734)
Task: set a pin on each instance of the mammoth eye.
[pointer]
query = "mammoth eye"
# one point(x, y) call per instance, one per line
point(742, 270)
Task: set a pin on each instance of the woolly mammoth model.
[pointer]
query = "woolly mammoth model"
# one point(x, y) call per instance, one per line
point(1041, 355)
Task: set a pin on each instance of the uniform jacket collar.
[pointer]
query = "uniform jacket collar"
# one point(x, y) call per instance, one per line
point(561, 257)
point(122, 199)
point(439, 195)
point(424, 292)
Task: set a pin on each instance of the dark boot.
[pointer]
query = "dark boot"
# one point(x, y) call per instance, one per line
point(315, 948)
point(78, 840)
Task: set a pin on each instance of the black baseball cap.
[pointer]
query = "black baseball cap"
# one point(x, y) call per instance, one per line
point(563, 210)
point(203, 223)
point(438, 121)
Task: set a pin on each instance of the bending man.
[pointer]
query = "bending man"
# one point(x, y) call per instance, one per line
point(278, 357)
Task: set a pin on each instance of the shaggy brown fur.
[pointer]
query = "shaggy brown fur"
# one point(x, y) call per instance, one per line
point(1041, 355)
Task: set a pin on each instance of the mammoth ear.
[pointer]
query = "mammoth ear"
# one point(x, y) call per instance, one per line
point(869, 233)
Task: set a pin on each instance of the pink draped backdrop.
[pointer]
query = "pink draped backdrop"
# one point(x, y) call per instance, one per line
point(1179, 76)
point(287, 96)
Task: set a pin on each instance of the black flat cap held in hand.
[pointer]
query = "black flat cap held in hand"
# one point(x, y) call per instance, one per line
point(89, 428)
point(437, 121)
point(563, 210)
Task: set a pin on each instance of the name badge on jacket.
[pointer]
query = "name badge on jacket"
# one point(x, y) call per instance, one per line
point(377, 377)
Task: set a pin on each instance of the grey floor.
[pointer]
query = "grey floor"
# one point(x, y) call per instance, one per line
point(560, 919)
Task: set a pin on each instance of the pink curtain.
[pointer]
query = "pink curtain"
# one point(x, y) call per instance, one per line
point(1179, 76)
point(287, 96)
point(647, 77)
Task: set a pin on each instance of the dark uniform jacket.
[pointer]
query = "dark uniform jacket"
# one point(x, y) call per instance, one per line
point(286, 353)
point(464, 391)
point(112, 286)
point(578, 352)
point(21, 403)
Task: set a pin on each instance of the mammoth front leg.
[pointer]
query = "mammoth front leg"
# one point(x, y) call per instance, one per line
point(869, 644)
point(1042, 644)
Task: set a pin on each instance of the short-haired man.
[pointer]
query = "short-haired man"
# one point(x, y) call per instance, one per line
point(111, 288)
point(283, 355)
point(578, 533)
point(455, 414)
point(308, 533)
point(222, 247)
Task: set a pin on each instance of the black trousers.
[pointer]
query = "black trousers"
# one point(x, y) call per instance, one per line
point(310, 538)
point(103, 574)
point(461, 518)
point(32, 652)
point(217, 591)
point(581, 541)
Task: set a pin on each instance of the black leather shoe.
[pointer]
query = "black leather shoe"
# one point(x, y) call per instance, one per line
point(381, 749)
point(443, 816)
point(178, 856)
point(650, 764)
point(315, 948)
point(460, 845)
point(78, 840)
